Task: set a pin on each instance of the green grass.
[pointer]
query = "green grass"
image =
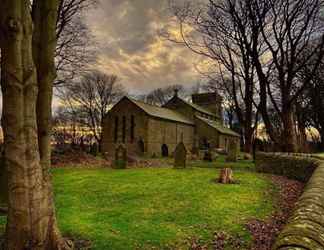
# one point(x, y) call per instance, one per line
point(221, 163)
point(145, 208)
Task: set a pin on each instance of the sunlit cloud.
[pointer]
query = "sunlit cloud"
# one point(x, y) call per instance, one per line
point(130, 46)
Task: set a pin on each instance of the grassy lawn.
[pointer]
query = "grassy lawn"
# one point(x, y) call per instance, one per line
point(145, 208)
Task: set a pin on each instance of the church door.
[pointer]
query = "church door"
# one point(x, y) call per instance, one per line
point(165, 150)
point(141, 146)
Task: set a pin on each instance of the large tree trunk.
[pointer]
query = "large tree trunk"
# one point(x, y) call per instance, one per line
point(44, 43)
point(31, 217)
point(289, 139)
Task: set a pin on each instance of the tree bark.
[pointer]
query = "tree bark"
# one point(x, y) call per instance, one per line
point(31, 222)
point(289, 139)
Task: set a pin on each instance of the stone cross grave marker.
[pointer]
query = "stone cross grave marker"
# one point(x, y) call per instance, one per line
point(180, 156)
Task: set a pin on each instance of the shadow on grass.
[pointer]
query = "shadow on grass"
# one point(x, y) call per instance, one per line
point(242, 165)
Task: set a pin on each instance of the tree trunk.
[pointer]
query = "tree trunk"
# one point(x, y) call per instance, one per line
point(3, 183)
point(248, 139)
point(31, 217)
point(289, 139)
point(226, 176)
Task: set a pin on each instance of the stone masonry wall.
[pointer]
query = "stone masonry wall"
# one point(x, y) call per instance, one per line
point(305, 227)
point(126, 109)
point(170, 133)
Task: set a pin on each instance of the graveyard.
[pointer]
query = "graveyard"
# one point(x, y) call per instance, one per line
point(174, 206)
point(162, 125)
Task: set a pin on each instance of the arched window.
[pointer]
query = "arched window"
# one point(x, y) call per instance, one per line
point(165, 150)
point(116, 129)
point(132, 131)
point(124, 129)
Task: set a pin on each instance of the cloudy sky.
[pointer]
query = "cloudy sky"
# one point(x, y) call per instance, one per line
point(130, 46)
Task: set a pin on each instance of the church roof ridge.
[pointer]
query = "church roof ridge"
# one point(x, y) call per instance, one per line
point(219, 127)
point(195, 106)
point(161, 112)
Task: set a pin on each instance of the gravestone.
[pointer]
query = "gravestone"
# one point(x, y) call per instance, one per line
point(120, 157)
point(180, 156)
point(232, 151)
point(208, 155)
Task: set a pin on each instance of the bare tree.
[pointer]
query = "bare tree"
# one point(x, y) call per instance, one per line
point(75, 45)
point(311, 103)
point(287, 29)
point(263, 38)
point(91, 98)
point(217, 36)
point(161, 96)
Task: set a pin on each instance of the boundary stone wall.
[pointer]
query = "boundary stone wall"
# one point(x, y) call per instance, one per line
point(305, 227)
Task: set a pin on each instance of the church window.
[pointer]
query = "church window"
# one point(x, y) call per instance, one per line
point(132, 132)
point(116, 129)
point(124, 129)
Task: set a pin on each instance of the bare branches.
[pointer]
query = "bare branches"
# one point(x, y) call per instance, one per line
point(89, 100)
point(75, 46)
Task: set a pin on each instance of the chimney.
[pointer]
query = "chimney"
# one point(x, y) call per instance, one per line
point(211, 101)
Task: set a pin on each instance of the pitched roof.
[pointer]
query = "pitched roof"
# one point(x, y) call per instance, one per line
point(219, 127)
point(160, 112)
point(196, 107)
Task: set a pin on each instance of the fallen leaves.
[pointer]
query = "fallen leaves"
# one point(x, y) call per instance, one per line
point(265, 232)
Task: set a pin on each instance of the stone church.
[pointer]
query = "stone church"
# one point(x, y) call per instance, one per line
point(146, 129)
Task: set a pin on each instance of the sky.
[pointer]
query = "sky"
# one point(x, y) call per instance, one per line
point(129, 45)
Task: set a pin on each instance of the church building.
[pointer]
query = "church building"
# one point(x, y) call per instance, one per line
point(153, 130)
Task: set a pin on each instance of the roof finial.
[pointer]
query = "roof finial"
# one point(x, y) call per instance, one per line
point(176, 91)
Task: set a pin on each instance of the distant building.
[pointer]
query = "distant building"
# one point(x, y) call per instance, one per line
point(148, 129)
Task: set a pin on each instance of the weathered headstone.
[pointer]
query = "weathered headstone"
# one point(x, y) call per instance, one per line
point(180, 156)
point(120, 157)
point(208, 155)
point(226, 176)
point(232, 151)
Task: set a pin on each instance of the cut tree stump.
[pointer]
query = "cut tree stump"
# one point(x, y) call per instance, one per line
point(226, 176)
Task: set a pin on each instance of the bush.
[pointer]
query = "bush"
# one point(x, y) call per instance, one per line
point(296, 167)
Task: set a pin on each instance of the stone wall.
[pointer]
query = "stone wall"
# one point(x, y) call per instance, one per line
point(224, 141)
point(126, 109)
point(298, 167)
point(169, 133)
point(305, 227)
point(205, 131)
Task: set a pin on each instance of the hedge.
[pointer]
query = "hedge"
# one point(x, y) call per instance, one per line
point(305, 228)
point(293, 166)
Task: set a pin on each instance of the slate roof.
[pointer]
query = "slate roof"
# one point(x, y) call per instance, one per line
point(199, 108)
point(219, 127)
point(163, 113)
point(194, 106)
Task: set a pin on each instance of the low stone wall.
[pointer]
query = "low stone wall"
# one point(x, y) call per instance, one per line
point(305, 228)
point(293, 166)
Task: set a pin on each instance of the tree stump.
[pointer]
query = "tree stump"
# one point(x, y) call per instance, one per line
point(226, 176)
